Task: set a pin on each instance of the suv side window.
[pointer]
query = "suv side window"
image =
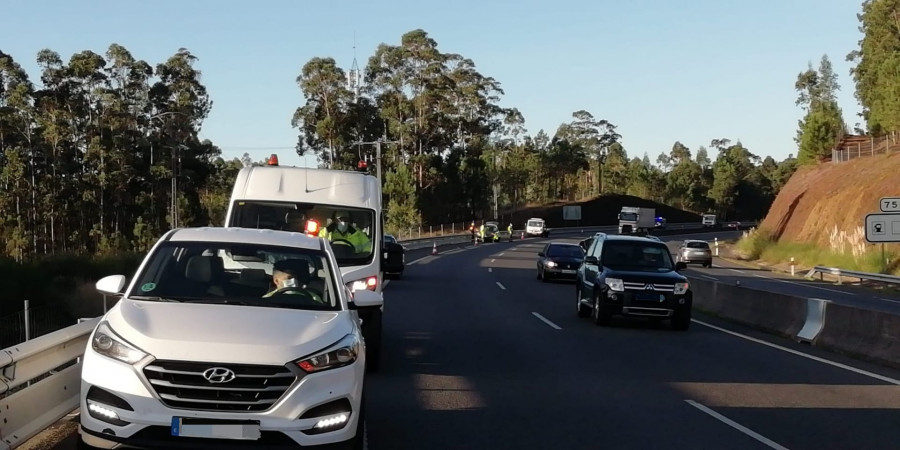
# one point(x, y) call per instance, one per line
point(597, 248)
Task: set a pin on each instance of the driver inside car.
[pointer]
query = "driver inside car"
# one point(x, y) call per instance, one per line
point(289, 278)
point(341, 229)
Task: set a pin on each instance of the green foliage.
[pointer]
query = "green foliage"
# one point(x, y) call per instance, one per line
point(754, 243)
point(878, 63)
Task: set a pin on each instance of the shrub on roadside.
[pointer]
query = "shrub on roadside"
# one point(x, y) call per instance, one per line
point(753, 243)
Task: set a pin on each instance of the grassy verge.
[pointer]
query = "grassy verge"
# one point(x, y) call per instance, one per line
point(759, 245)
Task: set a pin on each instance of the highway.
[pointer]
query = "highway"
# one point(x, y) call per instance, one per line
point(480, 354)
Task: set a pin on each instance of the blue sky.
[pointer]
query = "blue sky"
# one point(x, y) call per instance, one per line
point(661, 70)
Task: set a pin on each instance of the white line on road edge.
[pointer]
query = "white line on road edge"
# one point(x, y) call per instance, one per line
point(707, 277)
point(795, 352)
point(737, 426)
point(546, 320)
point(501, 286)
point(795, 283)
point(501, 254)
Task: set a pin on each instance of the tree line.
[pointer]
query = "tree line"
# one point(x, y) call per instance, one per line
point(452, 153)
point(102, 154)
point(876, 86)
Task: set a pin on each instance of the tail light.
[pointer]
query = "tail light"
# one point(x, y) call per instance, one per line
point(312, 227)
point(369, 283)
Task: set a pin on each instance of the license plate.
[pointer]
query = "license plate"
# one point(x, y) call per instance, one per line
point(649, 297)
point(247, 430)
point(569, 272)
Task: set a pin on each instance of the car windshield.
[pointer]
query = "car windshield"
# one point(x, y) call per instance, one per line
point(565, 251)
point(638, 256)
point(238, 274)
point(350, 230)
point(491, 227)
point(703, 245)
point(535, 223)
point(628, 216)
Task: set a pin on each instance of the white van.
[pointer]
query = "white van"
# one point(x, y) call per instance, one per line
point(536, 227)
point(311, 200)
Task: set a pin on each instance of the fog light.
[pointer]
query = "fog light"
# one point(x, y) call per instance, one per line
point(104, 413)
point(332, 422)
point(680, 301)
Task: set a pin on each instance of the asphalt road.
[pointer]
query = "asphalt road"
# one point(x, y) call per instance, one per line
point(479, 354)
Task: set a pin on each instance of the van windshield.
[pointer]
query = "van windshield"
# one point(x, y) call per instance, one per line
point(350, 230)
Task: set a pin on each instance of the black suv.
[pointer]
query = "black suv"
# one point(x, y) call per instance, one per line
point(632, 276)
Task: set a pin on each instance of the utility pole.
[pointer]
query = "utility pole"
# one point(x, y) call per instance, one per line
point(378, 171)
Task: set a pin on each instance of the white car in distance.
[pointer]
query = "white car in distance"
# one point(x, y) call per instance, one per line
point(200, 356)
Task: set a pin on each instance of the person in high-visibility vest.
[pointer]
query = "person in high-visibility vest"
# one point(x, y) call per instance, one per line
point(341, 229)
point(481, 232)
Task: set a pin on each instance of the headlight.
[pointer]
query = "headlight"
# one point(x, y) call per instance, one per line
point(550, 264)
point(615, 284)
point(681, 288)
point(341, 354)
point(109, 344)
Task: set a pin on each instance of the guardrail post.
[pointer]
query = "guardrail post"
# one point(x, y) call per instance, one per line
point(27, 321)
point(442, 229)
point(792, 266)
point(717, 246)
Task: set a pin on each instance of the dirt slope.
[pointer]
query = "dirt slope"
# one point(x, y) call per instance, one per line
point(819, 198)
point(602, 210)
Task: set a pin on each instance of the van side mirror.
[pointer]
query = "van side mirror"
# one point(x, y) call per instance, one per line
point(592, 260)
point(541, 254)
point(680, 265)
point(111, 285)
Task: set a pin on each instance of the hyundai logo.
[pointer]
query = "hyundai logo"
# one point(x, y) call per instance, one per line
point(218, 375)
point(649, 287)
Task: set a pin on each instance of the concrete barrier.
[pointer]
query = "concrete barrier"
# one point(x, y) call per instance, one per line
point(776, 313)
point(861, 333)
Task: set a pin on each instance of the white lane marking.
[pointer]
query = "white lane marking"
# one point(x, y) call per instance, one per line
point(707, 277)
point(501, 254)
point(416, 260)
point(801, 284)
point(735, 270)
point(384, 285)
point(501, 286)
point(795, 352)
point(889, 300)
point(546, 320)
point(493, 260)
point(737, 426)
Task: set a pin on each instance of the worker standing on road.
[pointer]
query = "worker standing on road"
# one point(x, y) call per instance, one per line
point(481, 232)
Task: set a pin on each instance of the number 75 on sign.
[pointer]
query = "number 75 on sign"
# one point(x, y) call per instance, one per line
point(890, 204)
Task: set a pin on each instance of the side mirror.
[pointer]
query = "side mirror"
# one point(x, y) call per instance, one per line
point(592, 260)
point(541, 254)
point(365, 298)
point(111, 285)
point(680, 265)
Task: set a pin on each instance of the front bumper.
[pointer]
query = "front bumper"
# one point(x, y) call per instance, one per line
point(561, 272)
point(632, 303)
point(149, 421)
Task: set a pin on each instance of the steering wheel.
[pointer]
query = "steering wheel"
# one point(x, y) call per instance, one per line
point(306, 293)
point(343, 242)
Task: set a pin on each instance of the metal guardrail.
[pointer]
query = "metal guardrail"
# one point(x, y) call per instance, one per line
point(27, 406)
point(840, 273)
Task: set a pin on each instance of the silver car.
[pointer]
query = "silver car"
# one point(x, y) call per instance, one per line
point(695, 251)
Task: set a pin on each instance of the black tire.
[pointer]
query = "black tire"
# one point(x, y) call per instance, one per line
point(581, 310)
point(545, 278)
point(372, 335)
point(599, 314)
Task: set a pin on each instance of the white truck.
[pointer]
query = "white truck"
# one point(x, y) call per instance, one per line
point(633, 219)
point(536, 227)
point(709, 221)
point(342, 205)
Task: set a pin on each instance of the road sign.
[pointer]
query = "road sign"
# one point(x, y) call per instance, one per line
point(883, 227)
point(890, 204)
point(572, 212)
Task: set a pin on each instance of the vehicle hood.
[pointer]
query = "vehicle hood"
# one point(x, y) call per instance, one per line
point(226, 333)
point(647, 277)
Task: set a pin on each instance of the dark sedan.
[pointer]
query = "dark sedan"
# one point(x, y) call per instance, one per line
point(559, 260)
point(394, 258)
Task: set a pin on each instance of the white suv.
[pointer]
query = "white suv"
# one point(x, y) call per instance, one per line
point(267, 353)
